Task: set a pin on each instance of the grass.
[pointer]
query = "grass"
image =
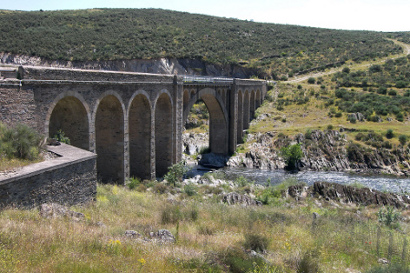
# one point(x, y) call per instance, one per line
point(209, 242)
point(15, 163)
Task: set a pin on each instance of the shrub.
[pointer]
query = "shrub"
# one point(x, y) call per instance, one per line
point(389, 133)
point(61, 137)
point(388, 216)
point(392, 268)
point(171, 215)
point(20, 141)
point(190, 189)
point(403, 139)
point(241, 181)
point(160, 188)
point(292, 154)
point(132, 183)
point(176, 173)
point(392, 92)
point(308, 264)
point(311, 80)
point(256, 242)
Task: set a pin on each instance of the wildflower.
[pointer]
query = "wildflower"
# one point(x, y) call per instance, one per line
point(142, 261)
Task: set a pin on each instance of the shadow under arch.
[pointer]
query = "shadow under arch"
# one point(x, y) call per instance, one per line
point(218, 119)
point(70, 114)
point(139, 120)
point(163, 133)
point(109, 137)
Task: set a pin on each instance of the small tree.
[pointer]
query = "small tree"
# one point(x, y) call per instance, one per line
point(176, 173)
point(389, 133)
point(311, 80)
point(403, 139)
point(292, 154)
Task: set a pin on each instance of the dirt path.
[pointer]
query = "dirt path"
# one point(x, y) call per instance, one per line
point(406, 51)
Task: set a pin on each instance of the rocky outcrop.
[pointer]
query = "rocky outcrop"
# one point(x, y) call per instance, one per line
point(194, 143)
point(234, 198)
point(158, 66)
point(348, 194)
point(323, 151)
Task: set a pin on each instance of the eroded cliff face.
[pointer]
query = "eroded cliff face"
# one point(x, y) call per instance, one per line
point(157, 66)
point(323, 151)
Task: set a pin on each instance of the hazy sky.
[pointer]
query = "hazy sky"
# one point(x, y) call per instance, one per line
point(379, 15)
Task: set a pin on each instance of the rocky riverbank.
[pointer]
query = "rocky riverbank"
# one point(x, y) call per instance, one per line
point(323, 151)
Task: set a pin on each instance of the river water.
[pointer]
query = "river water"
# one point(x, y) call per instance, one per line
point(381, 183)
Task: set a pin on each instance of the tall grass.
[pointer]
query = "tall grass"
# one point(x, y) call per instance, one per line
point(212, 237)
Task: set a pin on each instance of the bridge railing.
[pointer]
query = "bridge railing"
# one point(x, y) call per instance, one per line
point(204, 79)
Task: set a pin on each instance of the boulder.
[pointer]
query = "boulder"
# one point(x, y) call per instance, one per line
point(163, 236)
point(54, 210)
point(234, 198)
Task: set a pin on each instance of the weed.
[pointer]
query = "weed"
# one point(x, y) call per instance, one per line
point(256, 242)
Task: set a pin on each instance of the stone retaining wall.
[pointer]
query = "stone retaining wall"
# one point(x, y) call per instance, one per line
point(69, 179)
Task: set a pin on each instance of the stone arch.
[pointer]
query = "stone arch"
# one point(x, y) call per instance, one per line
point(139, 128)
point(252, 105)
point(218, 119)
point(70, 114)
point(258, 98)
point(109, 137)
point(240, 118)
point(163, 133)
point(246, 110)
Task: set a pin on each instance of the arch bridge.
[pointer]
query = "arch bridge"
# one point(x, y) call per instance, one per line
point(134, 121)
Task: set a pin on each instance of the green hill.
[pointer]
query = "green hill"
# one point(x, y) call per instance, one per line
point(117, 34)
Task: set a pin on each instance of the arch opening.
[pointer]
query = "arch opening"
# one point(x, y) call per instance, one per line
point(240, 119)
point(109, 129)
point(163, 135)
point(140, 137)
point(70, 117)
point(252, 105)
point(218, 125)
point(246, 111)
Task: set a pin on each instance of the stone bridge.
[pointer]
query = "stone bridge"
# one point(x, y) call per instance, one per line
point(133, 121)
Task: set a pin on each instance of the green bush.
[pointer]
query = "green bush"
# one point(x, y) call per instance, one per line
point(60, 136)
point(171, 215)
point(20, 141)
point(132, 182)
point(291, 154)
point(388, 216)
point(311, 80)
point(176, 173)
point(389, 133)
point(403, 139)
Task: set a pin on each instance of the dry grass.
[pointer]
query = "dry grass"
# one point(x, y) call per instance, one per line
point(340, 239)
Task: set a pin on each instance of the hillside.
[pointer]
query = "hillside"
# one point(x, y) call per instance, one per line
point(268, 50)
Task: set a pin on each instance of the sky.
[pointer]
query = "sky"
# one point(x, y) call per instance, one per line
point(377, 15)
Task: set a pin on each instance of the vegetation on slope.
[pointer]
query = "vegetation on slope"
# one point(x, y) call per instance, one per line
point(112, 34)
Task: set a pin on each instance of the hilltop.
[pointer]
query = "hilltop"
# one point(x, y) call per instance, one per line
point(262, 49)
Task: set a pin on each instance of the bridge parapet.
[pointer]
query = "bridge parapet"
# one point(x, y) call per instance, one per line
point(61, 74)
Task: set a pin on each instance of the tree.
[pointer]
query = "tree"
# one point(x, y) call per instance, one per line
point(311, 80)
point(389, 133)
point(292, 154)
point(403, 139)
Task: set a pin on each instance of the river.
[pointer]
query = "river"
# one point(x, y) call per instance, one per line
point(381, 183)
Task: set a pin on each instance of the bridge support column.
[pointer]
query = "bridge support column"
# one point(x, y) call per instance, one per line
point(232, 98)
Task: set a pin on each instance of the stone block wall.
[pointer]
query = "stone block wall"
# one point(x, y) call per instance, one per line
point(17, 105)
point(70, 179)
